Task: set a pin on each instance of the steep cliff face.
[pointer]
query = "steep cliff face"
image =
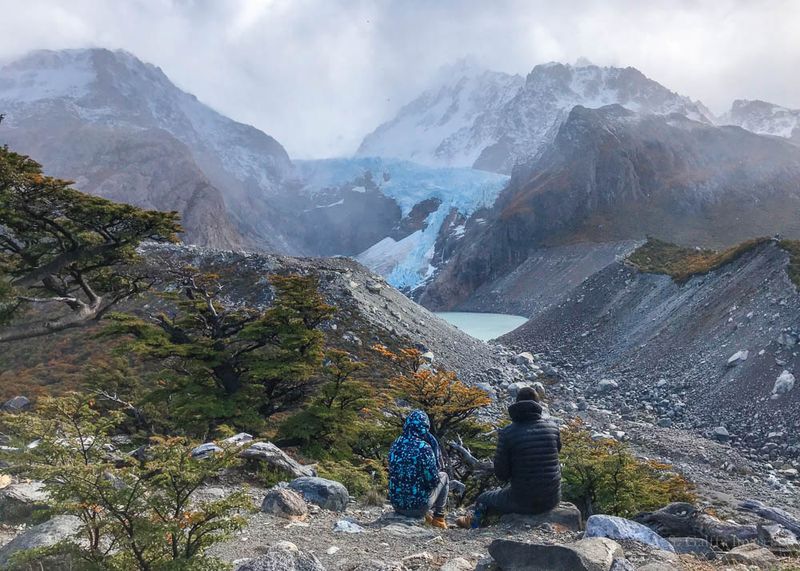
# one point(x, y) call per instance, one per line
point(120, 128)
point(612, 174)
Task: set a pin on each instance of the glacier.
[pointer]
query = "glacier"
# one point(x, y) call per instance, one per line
point(409, 262)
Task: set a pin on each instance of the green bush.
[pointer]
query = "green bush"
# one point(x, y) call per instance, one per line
point(603, 476)
point(360, 478)
point(143, 508)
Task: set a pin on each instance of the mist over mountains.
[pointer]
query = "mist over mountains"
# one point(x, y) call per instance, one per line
point(593, 153)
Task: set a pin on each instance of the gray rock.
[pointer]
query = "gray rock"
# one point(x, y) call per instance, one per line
point(751, 554)
point(595, 554)
point(621, 529)
point(409, 531)
point(17, 404)
point(347, 526)
point(720, 434)
point(283, 556)
point(778, 538)
point(49, 533)
point(524, 358)
point(607, 385)
point(783, 384)
point(326, 494)
point(205, 450)
point(18, 502)
point(738, 357)
point(277, 458)
point(566, 515)
point(622, 565)
point(694, 546)
point(285, 503)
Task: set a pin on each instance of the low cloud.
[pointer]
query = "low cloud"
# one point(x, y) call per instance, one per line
point(319, 74)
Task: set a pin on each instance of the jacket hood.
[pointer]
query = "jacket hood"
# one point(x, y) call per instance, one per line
point(525, 411)
point(417, 424)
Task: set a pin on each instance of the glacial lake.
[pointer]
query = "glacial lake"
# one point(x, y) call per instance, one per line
point(484, 326)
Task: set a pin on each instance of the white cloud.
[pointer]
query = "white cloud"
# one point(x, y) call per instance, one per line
point(319, 74)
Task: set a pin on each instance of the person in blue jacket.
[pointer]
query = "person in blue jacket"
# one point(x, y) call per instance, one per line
point(417, 483)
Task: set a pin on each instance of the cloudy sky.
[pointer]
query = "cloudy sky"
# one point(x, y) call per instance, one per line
point(319, 74)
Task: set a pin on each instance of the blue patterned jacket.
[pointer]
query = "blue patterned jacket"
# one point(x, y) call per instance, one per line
point(413, 464)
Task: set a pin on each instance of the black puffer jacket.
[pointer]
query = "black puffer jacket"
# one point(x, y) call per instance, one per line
point(527, 454)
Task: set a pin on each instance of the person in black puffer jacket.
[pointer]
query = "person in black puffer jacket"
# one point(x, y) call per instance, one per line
point(527, 458)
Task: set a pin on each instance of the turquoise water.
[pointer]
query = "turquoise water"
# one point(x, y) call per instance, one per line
point(484, 326)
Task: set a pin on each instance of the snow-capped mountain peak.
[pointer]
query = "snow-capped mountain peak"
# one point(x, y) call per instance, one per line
point(492, 121)
point(764, 118)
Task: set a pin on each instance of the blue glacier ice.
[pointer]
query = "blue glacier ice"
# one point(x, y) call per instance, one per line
point(409, 262)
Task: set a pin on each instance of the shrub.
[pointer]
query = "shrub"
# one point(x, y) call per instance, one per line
point(136, 514)
point(449, 403)
point(603, 476)
point(658, 257)
point(359, 477)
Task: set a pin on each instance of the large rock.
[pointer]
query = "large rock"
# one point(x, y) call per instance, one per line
point(783, 384)
point(566, 515)
point(277, 458)
point(326, 494)
point(49, 533)
point(17, 404)
point(524, 358)
point(778, 538)
point(286, 503)
point(621, 529)
point(751, 554)
point(19, 501)
point(595, 554)
point(721, 434)
point(738, 357)
point(283, 556)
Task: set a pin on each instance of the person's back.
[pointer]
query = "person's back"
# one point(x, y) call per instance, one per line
point(416, 484)
point(527, 457)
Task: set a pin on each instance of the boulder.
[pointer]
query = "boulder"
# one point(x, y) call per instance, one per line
point(17, 404)
point(347, 526)
point(19, 501)
point(738, 357)
point(205, 450)
point(751, 554)
point(721, 434)
point(284, 556)
point(622, 529)
point(778, 538)
point(286, 503)
point(566, 515)
point(693, 546)
point(326, 494)
point(595, 554)
point(783, 384)
point(277, 458)
point(524, 358)
point(607, 385)
point(55, 530)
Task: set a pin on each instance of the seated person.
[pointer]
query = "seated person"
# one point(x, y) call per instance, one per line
point(416, 483)
point(527, 458)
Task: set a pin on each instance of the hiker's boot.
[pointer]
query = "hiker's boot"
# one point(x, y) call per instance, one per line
point(438, 521)
point(465, 521)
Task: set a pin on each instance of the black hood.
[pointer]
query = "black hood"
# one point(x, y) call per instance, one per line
point(525, 411)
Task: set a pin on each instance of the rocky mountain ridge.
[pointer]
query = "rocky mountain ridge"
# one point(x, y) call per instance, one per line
point(120, 128)
point(764, 118)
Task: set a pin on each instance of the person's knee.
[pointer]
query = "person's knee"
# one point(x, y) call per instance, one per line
point(444, 478)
